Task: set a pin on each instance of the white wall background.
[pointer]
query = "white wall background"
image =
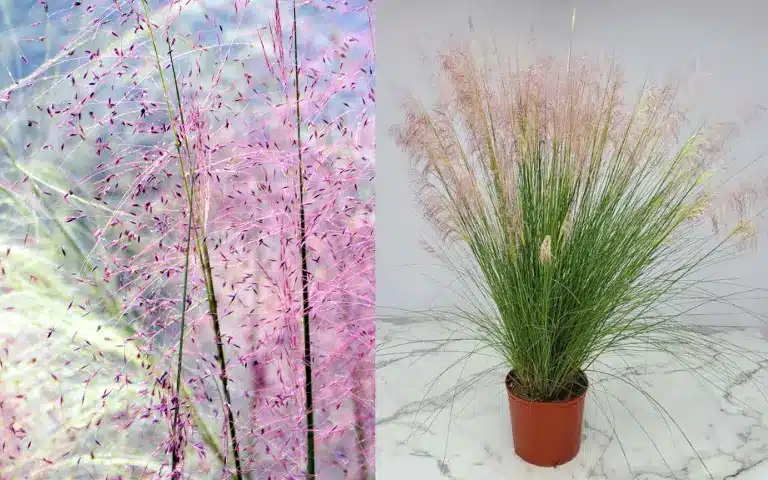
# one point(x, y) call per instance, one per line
point(727, 39)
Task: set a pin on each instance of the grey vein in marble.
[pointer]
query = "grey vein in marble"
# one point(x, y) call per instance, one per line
point(708, 418)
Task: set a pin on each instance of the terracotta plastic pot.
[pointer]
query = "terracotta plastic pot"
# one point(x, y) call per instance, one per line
point(546, 434)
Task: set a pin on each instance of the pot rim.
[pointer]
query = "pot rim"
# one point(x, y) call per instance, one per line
point(563, 403)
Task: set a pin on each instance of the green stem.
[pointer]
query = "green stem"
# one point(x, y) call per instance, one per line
point(212, 305)
point(202, 246)
point(175, 448)
point(304, 272)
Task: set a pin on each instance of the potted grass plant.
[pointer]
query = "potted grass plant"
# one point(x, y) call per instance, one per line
point(574, 215)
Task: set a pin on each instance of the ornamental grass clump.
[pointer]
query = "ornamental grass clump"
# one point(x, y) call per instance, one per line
point(575, 216)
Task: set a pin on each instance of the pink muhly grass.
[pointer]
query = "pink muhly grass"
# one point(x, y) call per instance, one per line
point(114, 184)
point(489, 114)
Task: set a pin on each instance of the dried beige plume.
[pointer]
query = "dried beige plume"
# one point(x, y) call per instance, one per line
point(746, 234)
point(545, 251)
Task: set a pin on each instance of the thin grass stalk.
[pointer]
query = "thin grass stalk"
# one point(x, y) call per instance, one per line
point(174, 431)
point(177, 407)
point(360, 434)
point(304, 271)
point(201, 244)
point(213, 306)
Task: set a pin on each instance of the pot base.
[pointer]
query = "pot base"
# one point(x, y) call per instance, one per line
point(546, 434)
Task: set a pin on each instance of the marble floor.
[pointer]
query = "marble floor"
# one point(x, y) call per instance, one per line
point(442, 413)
